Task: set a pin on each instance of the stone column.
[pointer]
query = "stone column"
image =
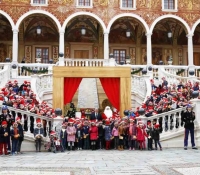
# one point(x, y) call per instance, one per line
point(149, 49)
point(190, 50)
point(62, 42)
point(106, 46)
point(15, 46)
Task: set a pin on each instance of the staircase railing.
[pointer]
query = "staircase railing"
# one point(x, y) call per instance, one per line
point(28, 120)
point(41, 84)
point(173, 78)
point(4, 74)
point(170, 122)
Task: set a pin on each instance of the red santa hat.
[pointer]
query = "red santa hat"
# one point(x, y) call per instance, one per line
point(18, 119)
point(38, 121)
point(4, 123)
point(71, 120)
point(25, 82)
point(52, 133)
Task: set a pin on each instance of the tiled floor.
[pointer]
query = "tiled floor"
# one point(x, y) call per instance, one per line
point(101, 162)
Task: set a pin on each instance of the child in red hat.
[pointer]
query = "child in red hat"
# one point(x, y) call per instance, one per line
point(108, 135)
point(4, 137)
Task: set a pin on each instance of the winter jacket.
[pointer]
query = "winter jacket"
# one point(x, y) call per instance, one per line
point(93, 133)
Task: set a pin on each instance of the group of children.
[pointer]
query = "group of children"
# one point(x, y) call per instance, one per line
point(124, 134)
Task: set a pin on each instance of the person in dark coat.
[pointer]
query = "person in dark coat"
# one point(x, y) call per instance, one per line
point(4, 137)
point(150, 136)
point(188, 118)
point(156, 136)
point(96, 115)
point(79, 136)
point(38, 134)
point(101, 135)
point(63, 137)
point(21, 135)
point(7, 116)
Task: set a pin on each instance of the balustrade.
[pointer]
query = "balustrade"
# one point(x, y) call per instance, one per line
point(169, 121)
point(28, 120)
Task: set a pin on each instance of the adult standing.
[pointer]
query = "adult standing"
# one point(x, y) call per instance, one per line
point(95, 115)
point(188, 118)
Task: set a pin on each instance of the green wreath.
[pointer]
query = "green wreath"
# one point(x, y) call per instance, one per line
point(36, 71)
point(180, 72)
point(137, 71)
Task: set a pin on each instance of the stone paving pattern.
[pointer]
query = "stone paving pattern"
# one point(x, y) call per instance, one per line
point(171, 161)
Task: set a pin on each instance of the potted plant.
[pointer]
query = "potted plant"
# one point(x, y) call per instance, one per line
point(170, 60)
point(128, 60)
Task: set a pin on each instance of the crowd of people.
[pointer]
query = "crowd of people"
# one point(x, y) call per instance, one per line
point(105, 130)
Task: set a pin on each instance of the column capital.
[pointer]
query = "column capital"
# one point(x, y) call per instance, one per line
point(148, 34)
point(15, 30)
point(190, 35)
point(62, 31)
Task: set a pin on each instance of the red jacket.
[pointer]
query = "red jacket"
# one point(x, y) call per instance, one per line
point(141, 133)
point(93, 133)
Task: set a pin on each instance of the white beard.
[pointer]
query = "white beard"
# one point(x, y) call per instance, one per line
point(107, 112)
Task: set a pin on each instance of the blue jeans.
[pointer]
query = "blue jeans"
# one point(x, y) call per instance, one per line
point(157, 142)
point(14, 145)
point(63, 143)
point(186, 137)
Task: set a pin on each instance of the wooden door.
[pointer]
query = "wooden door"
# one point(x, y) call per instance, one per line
point(81, 54)
point(196, 58)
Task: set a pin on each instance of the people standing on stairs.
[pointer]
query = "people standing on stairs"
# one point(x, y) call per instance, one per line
point(71, 132)
point(108, 134)
point(93, 131)
point(63, 137)
point(4, 137)
point(38, 134)
point(96, 115)
point(21, 135)
point(14, 137)
point(187, 118)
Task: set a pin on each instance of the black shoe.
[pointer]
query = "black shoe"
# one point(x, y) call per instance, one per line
point(185, 148)
point(194, 147)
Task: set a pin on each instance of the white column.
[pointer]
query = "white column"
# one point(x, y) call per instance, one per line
point(15, 46)
point(190, 50)
point(62, 42)
point(149, 49)
point(106, 46)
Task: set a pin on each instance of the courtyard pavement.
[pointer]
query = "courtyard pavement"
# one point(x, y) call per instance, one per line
point(171, 161)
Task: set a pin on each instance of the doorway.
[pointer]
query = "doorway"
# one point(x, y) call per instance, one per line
point(81, 54)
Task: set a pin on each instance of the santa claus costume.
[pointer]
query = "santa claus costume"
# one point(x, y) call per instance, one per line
point(141, 134)
point(71, 132)
point(93, 135)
